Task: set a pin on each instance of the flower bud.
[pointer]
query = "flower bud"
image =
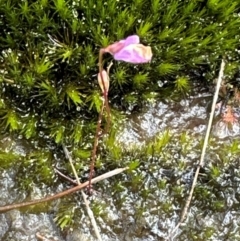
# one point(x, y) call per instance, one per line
point(103, 81)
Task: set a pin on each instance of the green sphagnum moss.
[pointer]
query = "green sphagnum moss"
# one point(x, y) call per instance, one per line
point(49, 92)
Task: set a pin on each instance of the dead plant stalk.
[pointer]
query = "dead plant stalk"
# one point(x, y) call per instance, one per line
point(63, 193)
point(201, 162)
point(89, 211)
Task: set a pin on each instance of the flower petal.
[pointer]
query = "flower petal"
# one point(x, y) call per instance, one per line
point(117, 46)
point(133, 39)
point(134, 53)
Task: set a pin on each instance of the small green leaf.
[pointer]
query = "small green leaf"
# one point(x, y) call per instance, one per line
point(215, 172)
point(77, 133)
point(12, 120)
point(96, 101)
point(140, 80)
point(83, 154)
point(30, 128)
point(133, 165)
point(58, 133)
point(42, 66)
point(144, 29)
point(67, 53)
point(74, 95)
point(168, 68)
point(182, 84)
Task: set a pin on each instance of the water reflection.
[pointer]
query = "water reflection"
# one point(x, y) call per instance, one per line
point(146, 204)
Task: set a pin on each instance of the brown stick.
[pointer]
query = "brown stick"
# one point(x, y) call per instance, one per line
point(62, 194)
point(65, 177)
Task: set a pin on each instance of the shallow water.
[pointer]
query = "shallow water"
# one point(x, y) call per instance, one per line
point(146, 204)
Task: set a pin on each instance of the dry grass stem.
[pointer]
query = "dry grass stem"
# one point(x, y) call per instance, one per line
point(201, 162)
point(89, 211)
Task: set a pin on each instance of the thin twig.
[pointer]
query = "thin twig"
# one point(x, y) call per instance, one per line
point(42, 238)
point(63, 193)
point(91, 216)
point(68, 156)
point(89, 211)
point(201, 162)
point(10, 81)
point(65, 177)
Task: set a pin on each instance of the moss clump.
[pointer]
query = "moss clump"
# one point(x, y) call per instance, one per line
point(50, 49)
point(48, 66)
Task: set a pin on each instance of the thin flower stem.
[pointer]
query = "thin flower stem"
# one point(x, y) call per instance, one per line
point(105, 92)
point(201, 162)
point(89, 211)
point(100, 116)
point(106, 105)
point(64, 193)
point(106, 100)
point(95, 145)
point(100, 65)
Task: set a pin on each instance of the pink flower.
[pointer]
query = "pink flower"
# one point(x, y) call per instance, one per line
point(130, 50)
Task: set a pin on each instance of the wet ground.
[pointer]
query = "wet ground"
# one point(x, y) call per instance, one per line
point(145, 204)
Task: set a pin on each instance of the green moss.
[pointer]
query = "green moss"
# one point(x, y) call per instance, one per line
point(215, 172)
point(159, 143)
point(49, 91)
point(38, 166)
point(66, 214)
point(30, 129)
point(8, 159)
point(10, 120)
point(51, 49)
point(182, 84)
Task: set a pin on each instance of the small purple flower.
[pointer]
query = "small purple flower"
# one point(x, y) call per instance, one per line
point(130, 50)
